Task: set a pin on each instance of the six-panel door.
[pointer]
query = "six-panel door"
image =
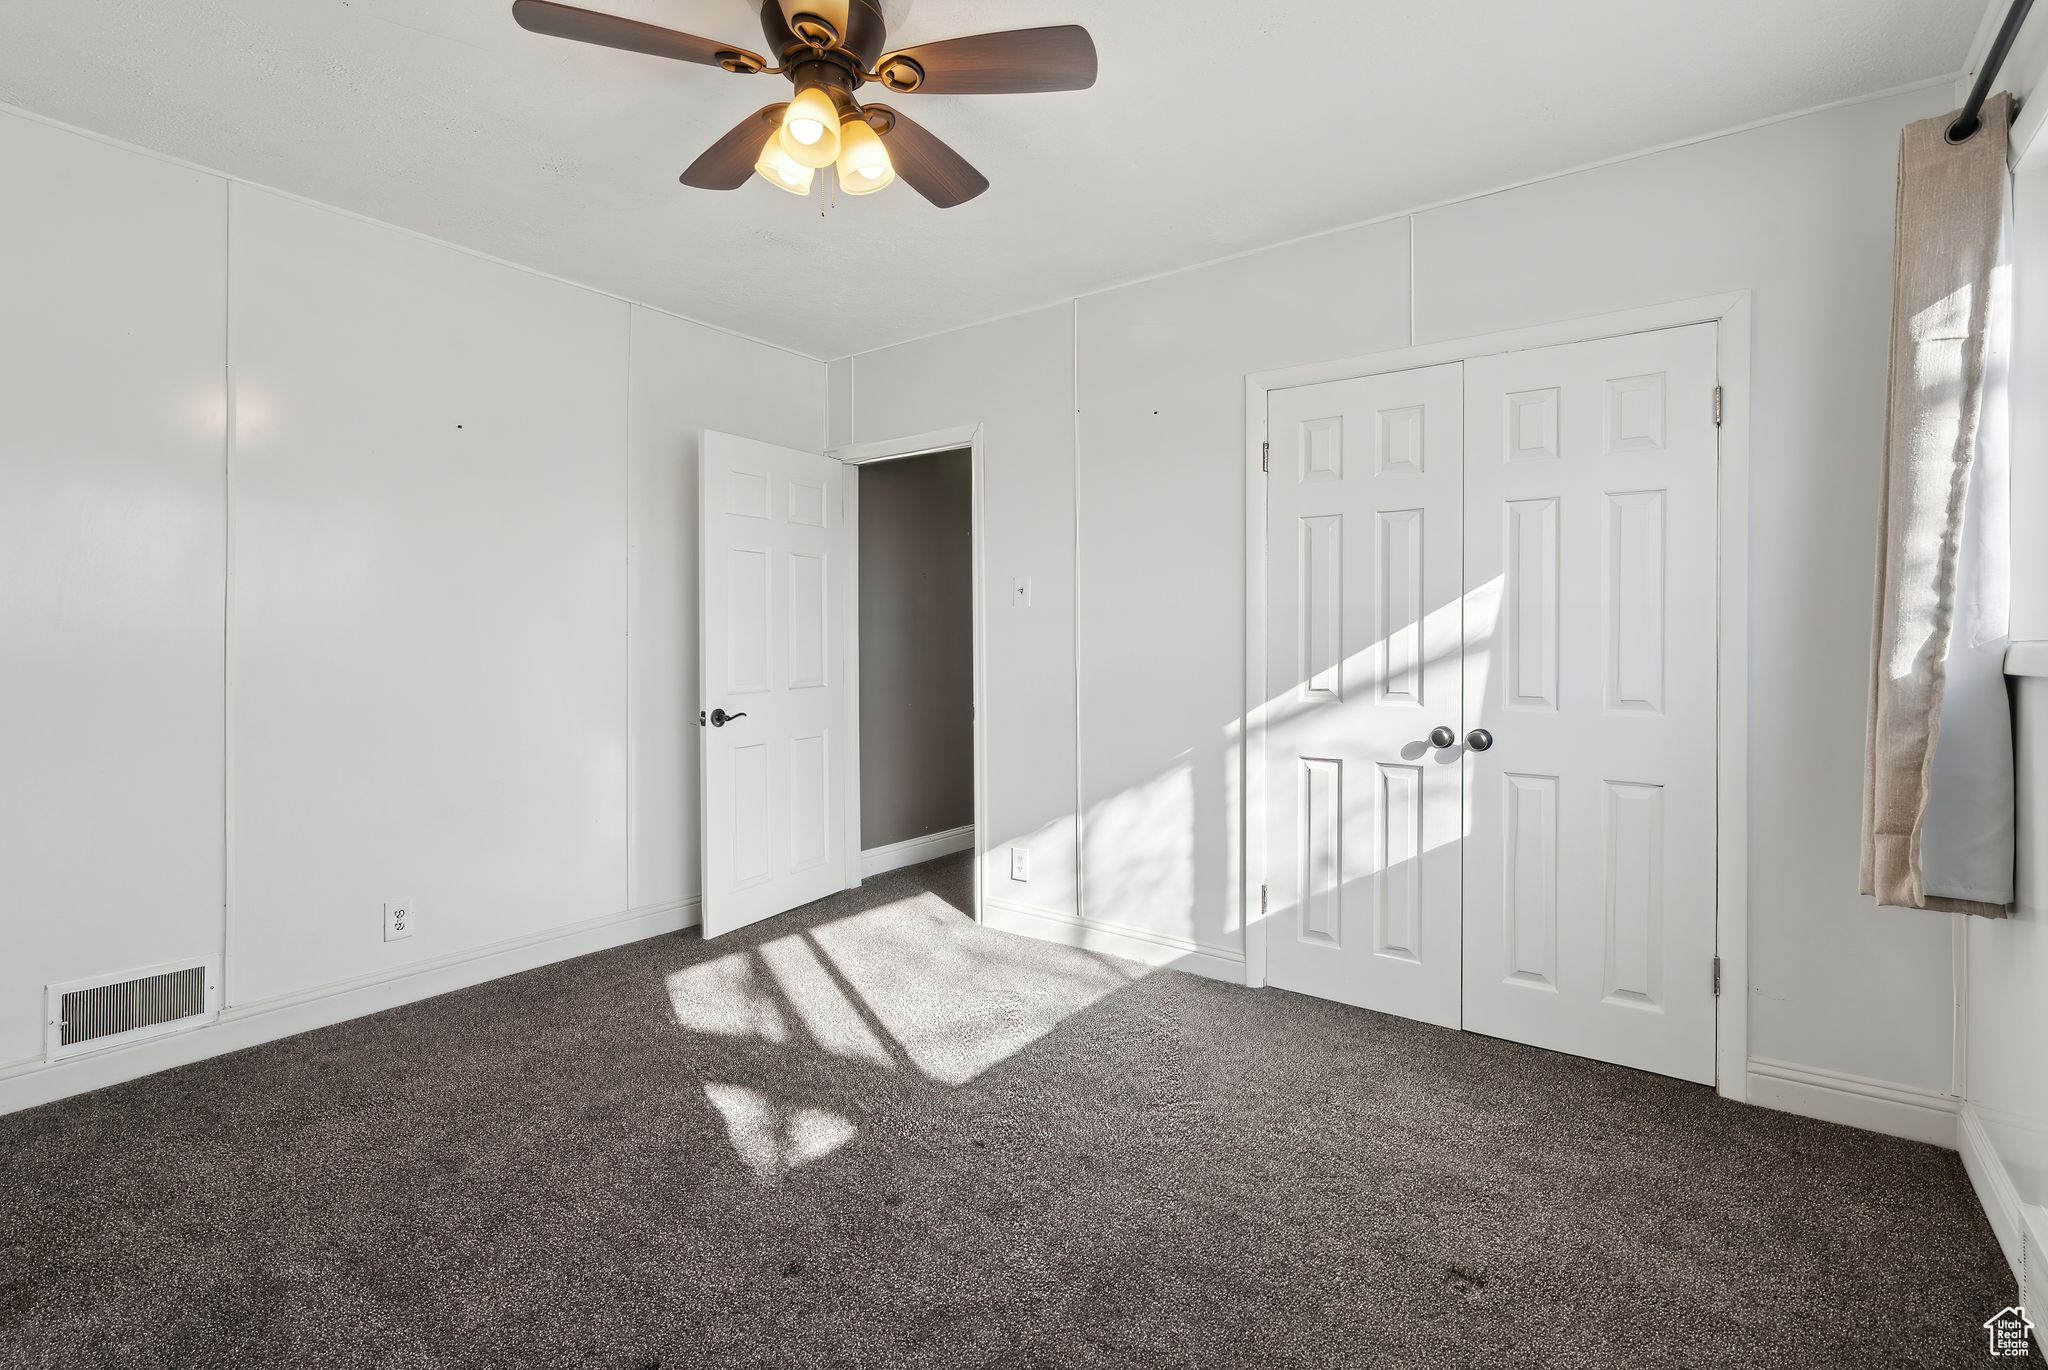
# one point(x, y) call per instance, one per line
point(1522, 549)
point(771, 609)
point(1362, 537)
point(1590, 560)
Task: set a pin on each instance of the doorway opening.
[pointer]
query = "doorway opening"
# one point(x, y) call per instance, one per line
point(914, 632)
point(915, 791)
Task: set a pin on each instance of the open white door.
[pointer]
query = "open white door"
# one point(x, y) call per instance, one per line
point(771, 614)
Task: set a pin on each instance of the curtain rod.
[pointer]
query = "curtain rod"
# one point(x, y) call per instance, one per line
point(1966, 122)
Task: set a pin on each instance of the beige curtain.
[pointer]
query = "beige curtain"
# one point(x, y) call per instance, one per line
point(1937, 783)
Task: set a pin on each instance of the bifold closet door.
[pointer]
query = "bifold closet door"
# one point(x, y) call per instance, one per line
point(1362, 645)
point(1589, 852)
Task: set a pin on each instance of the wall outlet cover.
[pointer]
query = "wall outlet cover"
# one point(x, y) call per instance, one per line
point(398, 919)
point(1020, 863)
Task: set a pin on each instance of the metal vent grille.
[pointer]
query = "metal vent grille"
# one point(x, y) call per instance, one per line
point(86, 1015)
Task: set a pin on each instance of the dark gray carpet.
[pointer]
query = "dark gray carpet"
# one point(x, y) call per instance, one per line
point(870, 1134)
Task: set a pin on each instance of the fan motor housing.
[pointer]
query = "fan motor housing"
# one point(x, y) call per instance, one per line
point(814, 29)
point(796, 32)
point(829, 72)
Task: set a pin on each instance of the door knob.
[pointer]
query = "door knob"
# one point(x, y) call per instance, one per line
point(1479, 739)
point(1441, 737)
point(719, 717)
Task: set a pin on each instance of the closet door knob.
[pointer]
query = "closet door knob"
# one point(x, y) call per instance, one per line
point(1441, 737)
point(1479, 739)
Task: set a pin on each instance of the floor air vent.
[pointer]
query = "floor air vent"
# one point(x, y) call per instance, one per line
point(86, 1014)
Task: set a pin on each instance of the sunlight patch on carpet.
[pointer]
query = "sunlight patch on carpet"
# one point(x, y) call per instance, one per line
point(771, 1139)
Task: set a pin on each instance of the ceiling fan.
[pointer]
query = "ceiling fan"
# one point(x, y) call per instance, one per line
point(829, 49)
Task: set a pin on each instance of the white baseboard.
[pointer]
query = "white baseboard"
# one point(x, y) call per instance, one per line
point(2034, 1232)
point(1994, 1186)
point(932, 846)
point(29, 1083)
point(1133, 944)
point(2021, 1227)
point(1922, 1115)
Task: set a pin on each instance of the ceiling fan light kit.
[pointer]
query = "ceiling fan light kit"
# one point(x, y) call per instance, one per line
point(810, 128)
point(827, 58)
point(864, 165)
point(781, 170)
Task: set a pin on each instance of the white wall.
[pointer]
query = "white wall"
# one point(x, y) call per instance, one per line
point(686, 378)
point(112, 278)
point(426, 637)
point(1015, 377)
point(459, 664)
point(1161, 400)
point(1798, 212)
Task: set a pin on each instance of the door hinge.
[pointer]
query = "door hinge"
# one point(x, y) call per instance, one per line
point(1717, 406)
point(1265, 456)
point(1717, 977)
point(1262, 901)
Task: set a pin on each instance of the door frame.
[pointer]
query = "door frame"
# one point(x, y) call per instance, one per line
point(891, 449)
point(1731, 730)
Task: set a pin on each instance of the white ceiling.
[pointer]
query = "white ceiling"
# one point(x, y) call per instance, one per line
point(1217, 126)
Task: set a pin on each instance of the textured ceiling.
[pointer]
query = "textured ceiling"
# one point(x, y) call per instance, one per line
point(1217, 126)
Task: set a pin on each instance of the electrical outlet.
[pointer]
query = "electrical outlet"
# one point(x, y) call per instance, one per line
point(398, 920)
point(1020, 591)
point(1020, 863)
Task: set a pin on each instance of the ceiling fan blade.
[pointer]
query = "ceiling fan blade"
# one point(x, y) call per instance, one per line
point(1061, 57)
point(727, 163)
point(934, 170)
point(612, 31)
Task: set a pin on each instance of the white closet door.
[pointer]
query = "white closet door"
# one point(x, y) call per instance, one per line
point(771, 617)
point(1362, 648)
point(1590, 486)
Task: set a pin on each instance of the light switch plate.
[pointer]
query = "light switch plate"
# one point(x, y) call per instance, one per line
point(1020, 591)
point(398, 920)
